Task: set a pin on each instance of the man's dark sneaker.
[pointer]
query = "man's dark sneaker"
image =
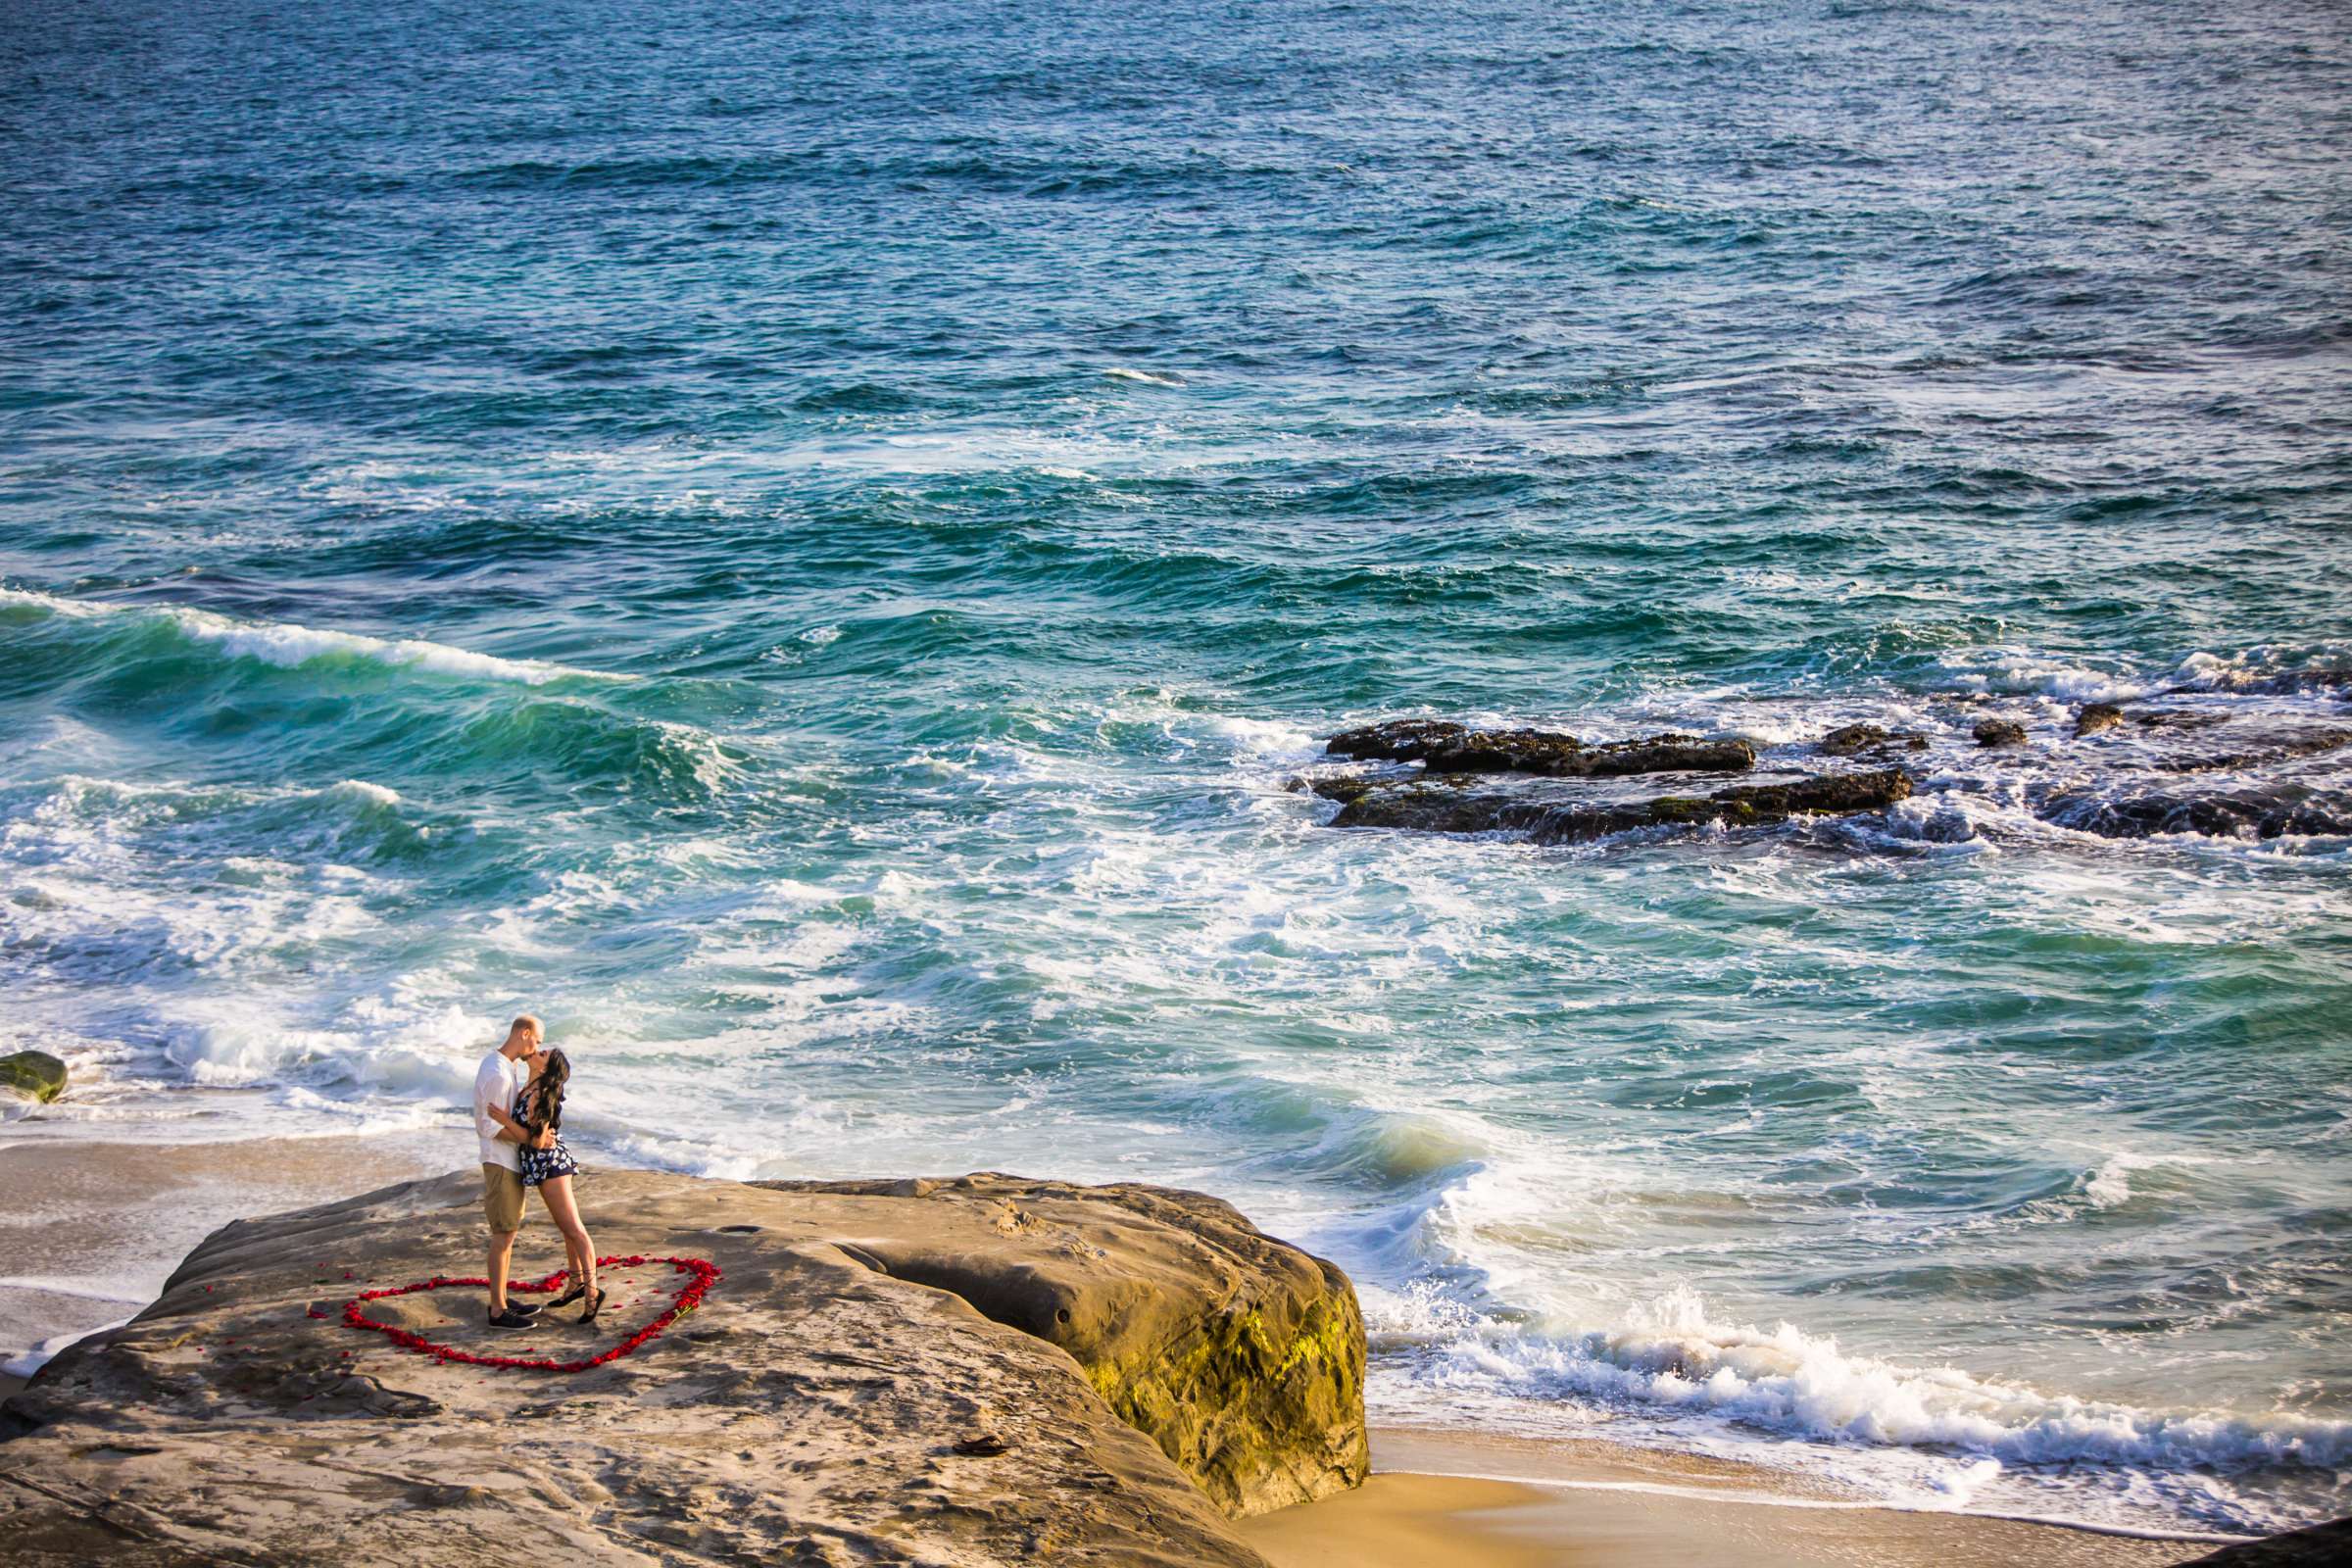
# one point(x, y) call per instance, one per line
point(511, 1319)
point(526, 1308)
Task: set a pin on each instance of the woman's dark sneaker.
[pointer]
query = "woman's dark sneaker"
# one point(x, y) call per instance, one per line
point(511, 1319)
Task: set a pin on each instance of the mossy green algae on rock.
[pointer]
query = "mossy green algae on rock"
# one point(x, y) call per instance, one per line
point(34, 1074)
point(1241, 1356)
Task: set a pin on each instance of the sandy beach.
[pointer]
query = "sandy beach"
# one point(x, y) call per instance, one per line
point(96, 1228)
point(1439, 1496)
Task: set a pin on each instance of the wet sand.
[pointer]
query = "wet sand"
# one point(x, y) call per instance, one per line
point(1435, 1497)
point(92, 1229)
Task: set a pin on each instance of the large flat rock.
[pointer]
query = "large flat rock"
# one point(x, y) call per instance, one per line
point(983, 1370)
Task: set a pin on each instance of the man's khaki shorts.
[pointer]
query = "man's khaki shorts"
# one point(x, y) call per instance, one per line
point(502, 1197)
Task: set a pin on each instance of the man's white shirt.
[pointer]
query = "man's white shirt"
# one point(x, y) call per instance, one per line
point(495, 1083)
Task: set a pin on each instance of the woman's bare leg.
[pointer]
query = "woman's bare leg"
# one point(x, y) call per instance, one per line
point(556, 1193)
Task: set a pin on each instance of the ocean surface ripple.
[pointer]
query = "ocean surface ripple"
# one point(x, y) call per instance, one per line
point(802, 544)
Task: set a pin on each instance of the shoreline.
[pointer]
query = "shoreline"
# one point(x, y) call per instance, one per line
point(1490, 1501)
point(101, 1225)
point(118, 1213)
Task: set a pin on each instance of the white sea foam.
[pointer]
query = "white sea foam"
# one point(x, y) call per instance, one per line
point(288, 646)
point(2108, 1185)
point(2020, 671)
point(2024, 672)
point(27, 1363)
point(54, 605)
point(2254, 666)
point(1258, 740)
point(1128, 373)
point(1668, 1352)
point(359, 789)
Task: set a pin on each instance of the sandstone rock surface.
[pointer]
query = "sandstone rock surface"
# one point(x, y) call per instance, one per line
point(977, 1371)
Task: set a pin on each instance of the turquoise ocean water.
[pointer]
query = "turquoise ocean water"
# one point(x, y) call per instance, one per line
point(803, 543)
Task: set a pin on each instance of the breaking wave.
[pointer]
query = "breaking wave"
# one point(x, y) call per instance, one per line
point(292, 647)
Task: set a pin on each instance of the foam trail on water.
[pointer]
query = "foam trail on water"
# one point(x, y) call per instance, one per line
point(50, 1349)
point(1668, 1353)
point(289, 647)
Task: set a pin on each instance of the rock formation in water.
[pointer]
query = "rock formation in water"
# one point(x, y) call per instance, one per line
point(1550, 787)
point(982, 1370)
point(2098, 716)
point(2264, 748)
point(1458, 807)
point(1853, 740)
point(1443, 747)
point(2275, 683)
point(34, 1074)
point(2257, 812)
point(1999, 732)
point(2130, 779)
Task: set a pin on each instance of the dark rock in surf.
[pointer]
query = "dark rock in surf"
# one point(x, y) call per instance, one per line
point(2261, 750)
point(1504, 751)
point(1828, 795)
point(1999, 732)
point(2253, 813)
point(1852, 739)
point(36, 1075)
point(1443, 747)
point(1460, 806)
point(1341, 787)
point(2096, 717)
point(2282, 683)
point(1653, 754)
point(1397, 740)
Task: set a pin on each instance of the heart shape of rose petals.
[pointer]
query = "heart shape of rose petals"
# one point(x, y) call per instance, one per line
point(701, 1274)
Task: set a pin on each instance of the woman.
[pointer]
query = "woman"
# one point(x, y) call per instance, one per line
point(548, 1166)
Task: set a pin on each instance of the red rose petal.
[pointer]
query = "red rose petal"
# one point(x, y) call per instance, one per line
point(702, 1275)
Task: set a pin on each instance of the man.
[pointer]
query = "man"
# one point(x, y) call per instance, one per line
point(496, 1082)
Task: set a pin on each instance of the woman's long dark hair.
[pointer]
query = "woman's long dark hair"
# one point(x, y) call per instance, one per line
point(546, 1095)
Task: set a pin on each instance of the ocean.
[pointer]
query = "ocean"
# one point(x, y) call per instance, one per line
point(804, 544)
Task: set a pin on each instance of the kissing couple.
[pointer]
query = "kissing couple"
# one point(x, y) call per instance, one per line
point(518, 1115)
